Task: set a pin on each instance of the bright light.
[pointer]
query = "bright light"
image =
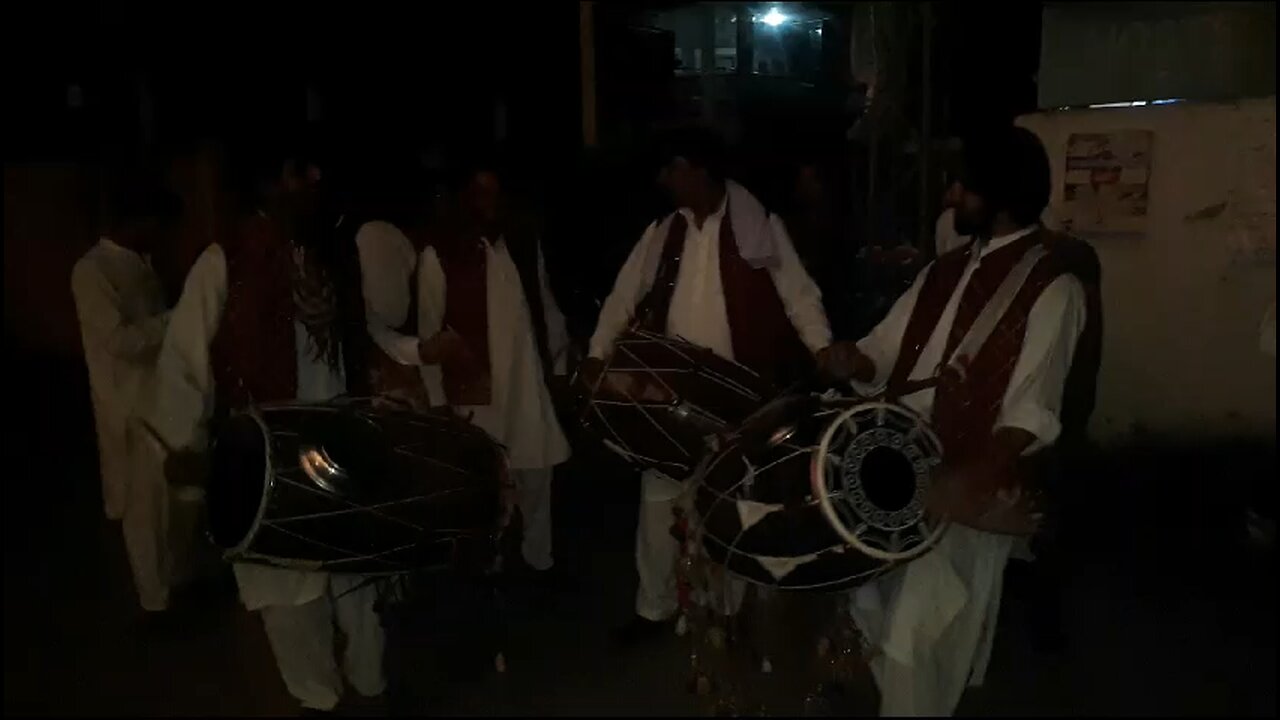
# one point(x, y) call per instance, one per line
point(1135, 103)
point(774, 18)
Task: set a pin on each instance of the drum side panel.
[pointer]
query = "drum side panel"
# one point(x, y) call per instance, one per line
point(758, 516)
point(420, 491)
point(237, 480)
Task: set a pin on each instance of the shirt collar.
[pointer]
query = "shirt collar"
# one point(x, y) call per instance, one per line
point(996, 243)
point(718, 215)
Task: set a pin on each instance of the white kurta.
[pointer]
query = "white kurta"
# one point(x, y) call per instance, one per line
point(521, 415)
point(697, 313)
point(122, 312)
point(184, 404)
point(387, 262)
point(935, 618)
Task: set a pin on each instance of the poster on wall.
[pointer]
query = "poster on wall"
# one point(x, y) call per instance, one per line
point(1105, 188)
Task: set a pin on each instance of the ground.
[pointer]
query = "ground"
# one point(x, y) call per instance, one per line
point(1166, 609)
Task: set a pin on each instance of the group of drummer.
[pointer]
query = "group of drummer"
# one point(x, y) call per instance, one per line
point(462, 315)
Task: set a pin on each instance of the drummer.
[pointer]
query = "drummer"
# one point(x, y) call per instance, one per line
point(720, 272)
point(933, 621)
point(262, 319)
point(491, 340)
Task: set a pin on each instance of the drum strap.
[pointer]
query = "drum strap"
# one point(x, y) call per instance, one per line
point(654, 308)
point(985, 323)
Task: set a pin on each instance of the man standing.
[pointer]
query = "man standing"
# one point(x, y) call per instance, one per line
point(492, 337)
point(265, 315)
point(996, 324)
point(720, 272)
point(122, 311)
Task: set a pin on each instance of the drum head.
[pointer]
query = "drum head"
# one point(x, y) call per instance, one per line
point(237, 480)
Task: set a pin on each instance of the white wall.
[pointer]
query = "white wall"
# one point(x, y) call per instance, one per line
point(1183, 304)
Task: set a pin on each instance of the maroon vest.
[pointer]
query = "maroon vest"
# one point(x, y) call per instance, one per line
point(466, 309)
point(762, 335)
point(253, 355)
point(966, 407)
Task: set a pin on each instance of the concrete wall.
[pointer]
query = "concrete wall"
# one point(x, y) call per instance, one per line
point(1183, 304)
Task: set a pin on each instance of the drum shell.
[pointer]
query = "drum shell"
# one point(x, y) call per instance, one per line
point(662, 398)
point(769, 477)
point(424, 490)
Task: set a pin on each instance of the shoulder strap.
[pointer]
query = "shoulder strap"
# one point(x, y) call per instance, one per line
point(990, 315)
point(653, 309)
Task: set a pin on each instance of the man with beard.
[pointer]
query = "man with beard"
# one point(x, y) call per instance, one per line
point(270, 314)
point(995, 397)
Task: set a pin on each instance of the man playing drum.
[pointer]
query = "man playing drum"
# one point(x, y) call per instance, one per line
point(720, 272)
point(998, 323)
point(267, 315)
point(491, 338)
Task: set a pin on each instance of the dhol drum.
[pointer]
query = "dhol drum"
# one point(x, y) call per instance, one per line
point(819, 493)
point(660, 398)
point(347, 487)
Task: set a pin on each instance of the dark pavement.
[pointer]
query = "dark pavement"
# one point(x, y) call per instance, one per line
point(1166, 609)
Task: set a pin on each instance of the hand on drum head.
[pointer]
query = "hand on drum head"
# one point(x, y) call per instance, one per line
point(841, 361)
point(445, 346)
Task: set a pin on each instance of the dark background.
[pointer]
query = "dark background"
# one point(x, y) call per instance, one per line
point(1167, 608)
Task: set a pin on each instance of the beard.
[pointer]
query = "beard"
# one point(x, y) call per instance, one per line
point(973, 223)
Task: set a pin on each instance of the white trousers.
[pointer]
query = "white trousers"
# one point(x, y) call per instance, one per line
point(114, 467)
point(146, 519)
point(657, 551)
point(533, 488)
point(934, 621)
point(303, 642)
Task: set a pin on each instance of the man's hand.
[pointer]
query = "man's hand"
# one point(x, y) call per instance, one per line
point(844, 361)
point(445, 346)
point(961, 495)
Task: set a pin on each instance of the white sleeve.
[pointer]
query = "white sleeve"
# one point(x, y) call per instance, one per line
point(628, 288)
point(184, 373)
point(386, 270)
point(557, 332)
point(98, 307)
point(884, 341)
point(799, 293)
point(431, 297)
point(1034, 396)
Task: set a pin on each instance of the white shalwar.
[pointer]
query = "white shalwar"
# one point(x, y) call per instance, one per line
point(298, 607)
point(122, 312)
point(521, 414)
point(934, 619)
point(697, 314)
